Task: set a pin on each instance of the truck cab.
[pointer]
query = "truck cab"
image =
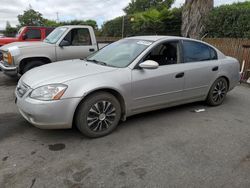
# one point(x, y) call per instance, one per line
point(28, 34)
point(64, 43)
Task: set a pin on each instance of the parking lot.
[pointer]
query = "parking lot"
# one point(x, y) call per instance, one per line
point(174, 147)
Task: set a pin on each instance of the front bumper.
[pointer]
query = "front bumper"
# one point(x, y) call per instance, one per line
point(10, 71)
point(48, 114)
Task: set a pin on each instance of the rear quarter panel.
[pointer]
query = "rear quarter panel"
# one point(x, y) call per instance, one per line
point(230, 68)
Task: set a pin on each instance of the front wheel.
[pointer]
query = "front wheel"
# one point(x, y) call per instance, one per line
point(98, 115)
point(218, 92)
point(30, 65)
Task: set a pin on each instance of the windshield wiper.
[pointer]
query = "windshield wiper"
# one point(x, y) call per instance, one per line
point(46, 40)
point(97, 62)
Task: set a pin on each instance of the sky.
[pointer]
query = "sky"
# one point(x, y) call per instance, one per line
point(99, 10)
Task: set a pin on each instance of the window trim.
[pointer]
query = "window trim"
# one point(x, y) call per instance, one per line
point(208, 46)
point(90, 44)
point(160, 43)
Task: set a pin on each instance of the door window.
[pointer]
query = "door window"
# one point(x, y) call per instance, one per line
point(78, 37)
point(165, 54)
point(196, 51)
point(33, 34)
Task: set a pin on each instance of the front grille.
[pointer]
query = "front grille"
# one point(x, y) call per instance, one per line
point(21, 89)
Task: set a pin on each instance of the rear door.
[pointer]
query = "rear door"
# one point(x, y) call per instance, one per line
point(80, 45)
point(202, 66)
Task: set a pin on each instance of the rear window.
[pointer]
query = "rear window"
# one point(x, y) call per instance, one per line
point(33, 34)
point(196, 51)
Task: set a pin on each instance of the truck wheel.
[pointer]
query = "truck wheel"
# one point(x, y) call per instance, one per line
point(98, 115)
point(218, 92)
point(31, 64)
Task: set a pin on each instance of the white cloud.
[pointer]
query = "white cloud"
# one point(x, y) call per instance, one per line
point(99, 10)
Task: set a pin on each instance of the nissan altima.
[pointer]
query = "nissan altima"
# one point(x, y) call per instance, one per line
point(130, 76)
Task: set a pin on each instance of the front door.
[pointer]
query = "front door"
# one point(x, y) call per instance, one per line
point(80, 45)
point(161, 86)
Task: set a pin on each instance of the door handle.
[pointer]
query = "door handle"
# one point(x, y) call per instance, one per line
point(91, 49)
point(179, 75)
point(215, 68)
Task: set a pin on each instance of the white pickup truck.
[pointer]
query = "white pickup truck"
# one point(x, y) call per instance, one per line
point(65, 42)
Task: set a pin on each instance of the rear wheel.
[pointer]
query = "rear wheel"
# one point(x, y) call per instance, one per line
point(217, 92)
point(98, 115)
point(30, 65)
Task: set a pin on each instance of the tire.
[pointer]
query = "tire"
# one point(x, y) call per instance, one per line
point(98, 115)
point(217, 92)
point(31, 64)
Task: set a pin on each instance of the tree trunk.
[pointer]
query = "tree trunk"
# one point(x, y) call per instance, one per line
point(193, 14)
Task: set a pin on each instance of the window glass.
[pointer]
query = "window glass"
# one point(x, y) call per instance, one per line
point(55, 35)
point(120, 53)
point(78, 37)
point(48, 31)
point(196, 51)
point(33, 34)
point(165, 54)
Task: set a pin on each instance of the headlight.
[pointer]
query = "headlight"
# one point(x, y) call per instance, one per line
point(7, 57)
point(49, 92)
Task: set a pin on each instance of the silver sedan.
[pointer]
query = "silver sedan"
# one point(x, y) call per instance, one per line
point(128, 77)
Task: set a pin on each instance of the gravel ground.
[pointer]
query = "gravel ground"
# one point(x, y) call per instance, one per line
point(173, 147)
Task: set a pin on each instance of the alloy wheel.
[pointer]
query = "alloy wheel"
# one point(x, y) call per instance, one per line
point(101, 116)
point(219, 91)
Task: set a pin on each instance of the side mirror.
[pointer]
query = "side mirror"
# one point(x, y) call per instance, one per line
point(64, 43)
point(24, 36)
point(149, 64)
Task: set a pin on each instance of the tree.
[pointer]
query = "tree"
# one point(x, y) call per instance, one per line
point(10, 31)
point(193, 14)
point(150, 22)
point(31, 18)
point(230, 21)
point(136, 6)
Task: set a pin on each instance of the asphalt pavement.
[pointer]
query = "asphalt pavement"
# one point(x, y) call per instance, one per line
point(174, 147)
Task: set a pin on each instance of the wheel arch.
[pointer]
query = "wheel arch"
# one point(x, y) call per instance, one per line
point(227, 79)
point(25, 60)
point(113, 92)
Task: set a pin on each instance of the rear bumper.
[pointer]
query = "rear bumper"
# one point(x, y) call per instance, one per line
point(10, 71)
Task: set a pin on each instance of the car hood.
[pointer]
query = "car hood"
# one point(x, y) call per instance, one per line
point(4, 40)
point(22, 45)
point(61, 72)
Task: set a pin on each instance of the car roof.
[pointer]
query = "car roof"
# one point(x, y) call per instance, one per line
point(76, 26)
point(155, 37)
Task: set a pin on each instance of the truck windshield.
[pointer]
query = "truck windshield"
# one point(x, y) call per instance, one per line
point(19, 31)
point(121, 53)
point(55, 35)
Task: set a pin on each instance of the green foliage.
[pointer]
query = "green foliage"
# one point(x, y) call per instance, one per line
point(152, 21)
point(81, 22)
point(229, 21)
point(31, 18)
point(9, 31)
point(148, 22)
point(51, 23)
point(136, 6)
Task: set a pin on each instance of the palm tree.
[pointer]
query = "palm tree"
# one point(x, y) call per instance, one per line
point(193, 14)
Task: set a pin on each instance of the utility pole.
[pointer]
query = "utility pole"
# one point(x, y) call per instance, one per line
point(57, 17)
point(123, 26)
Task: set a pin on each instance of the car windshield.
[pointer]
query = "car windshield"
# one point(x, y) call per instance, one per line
point(121, 53)
point(55, 35)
